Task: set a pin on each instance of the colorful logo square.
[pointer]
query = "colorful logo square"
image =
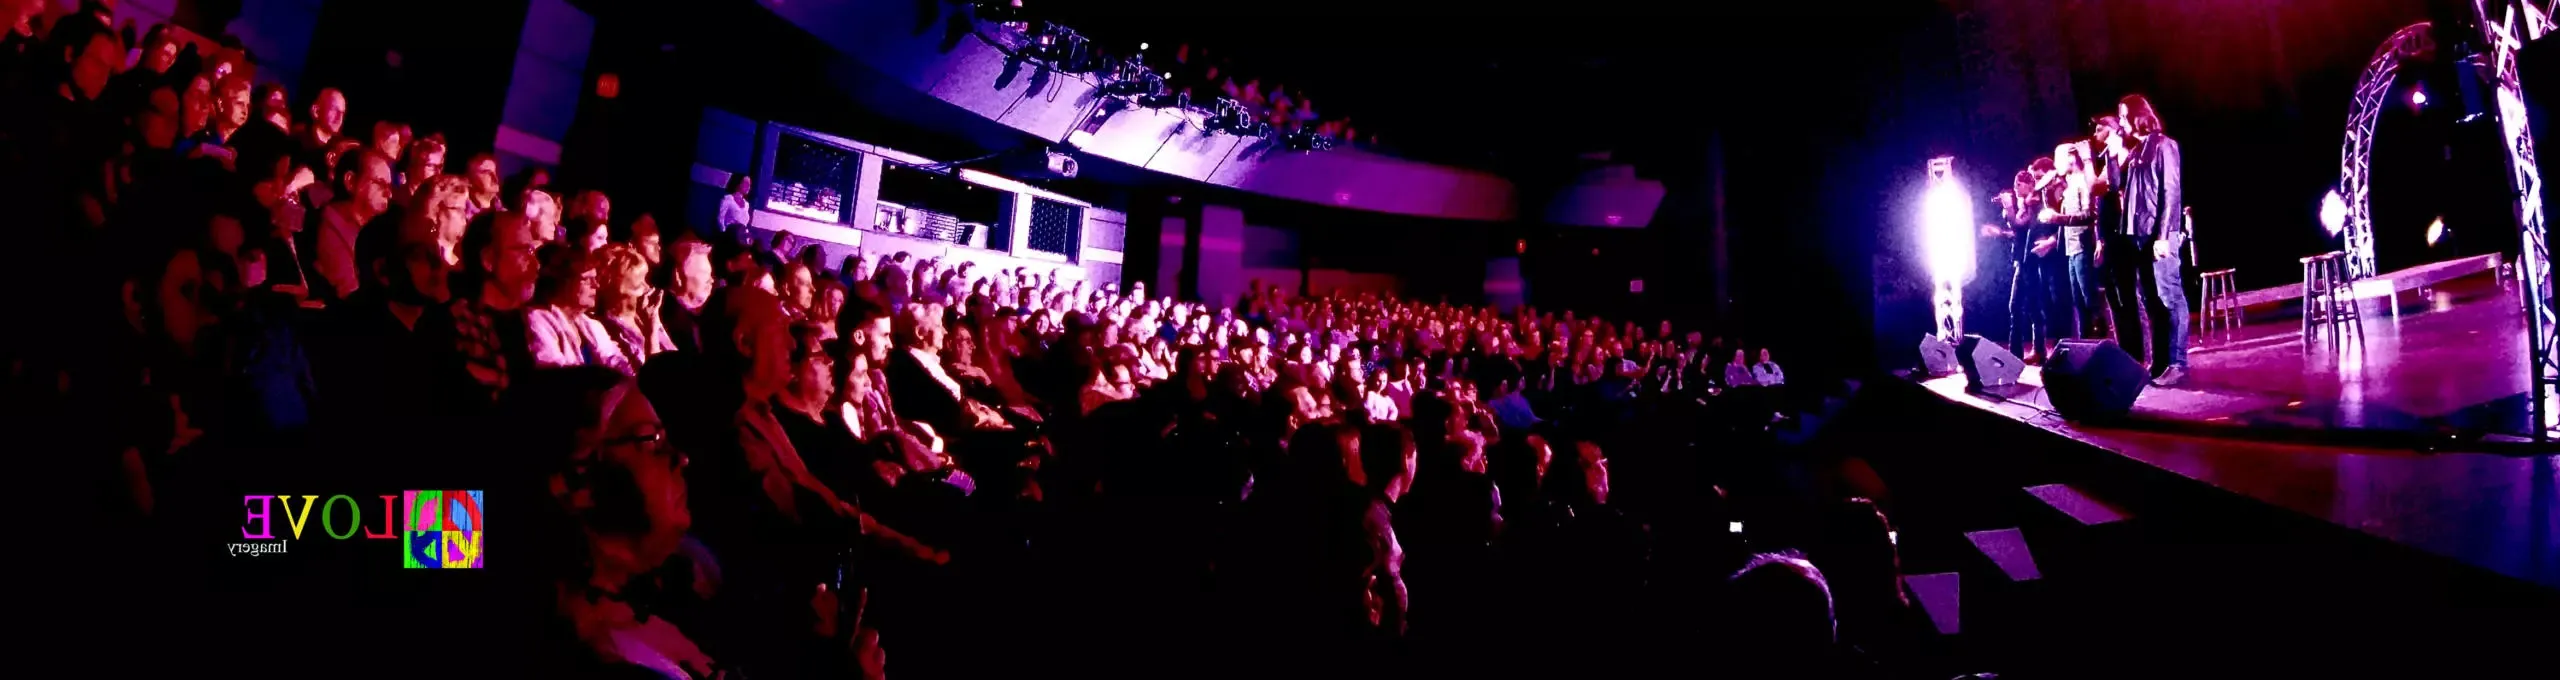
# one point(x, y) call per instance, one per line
point(443, 530)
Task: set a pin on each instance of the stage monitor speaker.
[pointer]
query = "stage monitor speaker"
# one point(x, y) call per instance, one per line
point(1937, 357)
point(1987, 364)
point(2093, 380)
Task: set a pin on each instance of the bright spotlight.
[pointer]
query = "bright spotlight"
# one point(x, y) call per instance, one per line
point(2333, 212)
point(2435, 232)
point(1946, 222)
point(2418, 98)
point(1946, 240)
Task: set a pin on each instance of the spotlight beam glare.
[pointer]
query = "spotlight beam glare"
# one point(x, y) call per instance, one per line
point(1947, 229)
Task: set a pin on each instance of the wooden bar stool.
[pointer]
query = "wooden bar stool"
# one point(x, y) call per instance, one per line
point(2328, 299)
point(2221, 303)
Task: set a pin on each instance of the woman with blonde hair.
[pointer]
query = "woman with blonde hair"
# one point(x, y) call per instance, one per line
point(628, 305)
point(544, 210)
point(442, 209)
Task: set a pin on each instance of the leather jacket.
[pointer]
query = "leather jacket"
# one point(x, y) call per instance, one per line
point(2150, 188)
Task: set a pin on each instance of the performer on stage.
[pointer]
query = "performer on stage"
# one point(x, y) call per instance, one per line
point(2145, 177)
point(2070, 206)
point(2029, 243)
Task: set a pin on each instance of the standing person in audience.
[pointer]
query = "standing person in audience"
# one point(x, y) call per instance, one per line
point(558, 329)
point(734, 212)
point(628, 306)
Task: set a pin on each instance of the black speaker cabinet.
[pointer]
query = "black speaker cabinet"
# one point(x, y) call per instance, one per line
point(1937, 357)
point(1987, 364)
point(2093, 380)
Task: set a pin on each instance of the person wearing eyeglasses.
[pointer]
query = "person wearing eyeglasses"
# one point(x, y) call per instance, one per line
point(557, 328)
point(367, 180)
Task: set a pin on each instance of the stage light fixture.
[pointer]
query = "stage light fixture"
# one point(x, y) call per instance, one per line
point(2418, 98)
point(1134, 80)
point(2435, 232)
point(1306, 140)
point(1057, 44)
point(2333, 212)
point(1946, 238)
point(1946, 215)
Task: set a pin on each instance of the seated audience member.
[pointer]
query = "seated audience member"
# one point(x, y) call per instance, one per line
point(692, 285)
point(1778, 620)
point(1767, 373)
point(622, 490)
point(543, 209)
point(1737, 373)
point(366, 180)
point(558, 331)
point(642, 233)
point(442, 205)
point(425, 164)
point(504, 269)
point(629, 306)
point(1864, 570)
point(924, 391)
point(485, 186)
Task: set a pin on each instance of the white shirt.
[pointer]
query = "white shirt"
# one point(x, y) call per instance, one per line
point(733, 210)
point(1381, 408)
point(1768, 374)
point(560, 339)
point(933, 367)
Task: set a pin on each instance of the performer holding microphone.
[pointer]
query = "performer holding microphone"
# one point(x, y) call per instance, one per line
point(2143, 173)
point(2071, 207)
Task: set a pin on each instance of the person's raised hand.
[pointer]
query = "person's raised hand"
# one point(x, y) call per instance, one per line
point(825, 606)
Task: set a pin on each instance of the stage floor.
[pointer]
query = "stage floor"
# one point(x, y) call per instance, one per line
point(2499, 513)
point(2453, 361)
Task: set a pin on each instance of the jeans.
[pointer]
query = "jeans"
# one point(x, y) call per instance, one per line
point(2061, 314)
point(2086, 295)
point(2027, 324)
point(2159, 287)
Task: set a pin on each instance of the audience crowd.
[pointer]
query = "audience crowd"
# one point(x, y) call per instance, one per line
point(721, 457)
